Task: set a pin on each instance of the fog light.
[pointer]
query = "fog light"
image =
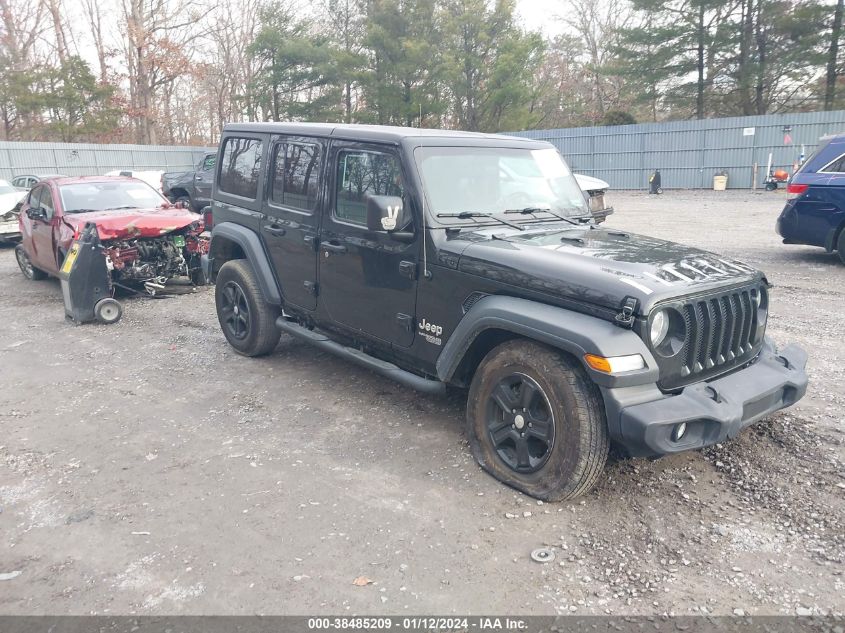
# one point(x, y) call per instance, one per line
point(680, 430)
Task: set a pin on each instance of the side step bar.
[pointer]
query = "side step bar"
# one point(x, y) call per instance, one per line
point(389, 370)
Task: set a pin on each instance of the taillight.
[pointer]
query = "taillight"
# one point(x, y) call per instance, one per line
point(793, 190)
point(208, 218)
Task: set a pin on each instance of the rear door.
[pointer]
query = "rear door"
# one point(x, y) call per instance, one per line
point(367, 279)
point(290, 215)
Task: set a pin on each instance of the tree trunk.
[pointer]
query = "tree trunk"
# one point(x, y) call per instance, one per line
point(832, 58)
point(760, 105)
point(744, 70)
point(61, 42)
point(699, 93)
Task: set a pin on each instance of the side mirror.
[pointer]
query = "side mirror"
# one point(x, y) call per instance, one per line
point(36, 213)
point(386, 213)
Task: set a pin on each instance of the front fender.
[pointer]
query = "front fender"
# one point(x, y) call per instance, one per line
point(572, 332)
point(253, 250)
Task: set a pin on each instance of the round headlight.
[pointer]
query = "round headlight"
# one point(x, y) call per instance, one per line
point(659, 327)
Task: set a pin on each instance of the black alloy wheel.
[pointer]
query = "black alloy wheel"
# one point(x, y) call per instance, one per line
point(520, 423)
point(234, 310)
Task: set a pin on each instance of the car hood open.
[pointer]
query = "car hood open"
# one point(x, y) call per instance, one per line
point(133, 223)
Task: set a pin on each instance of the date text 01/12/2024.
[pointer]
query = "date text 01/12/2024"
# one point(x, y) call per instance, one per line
point(418, 623)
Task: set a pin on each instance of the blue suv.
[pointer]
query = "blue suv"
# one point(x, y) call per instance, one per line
point(815, 209)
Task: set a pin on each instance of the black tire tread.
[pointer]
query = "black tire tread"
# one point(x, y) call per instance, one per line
point(266, 336)
point(840, 245)
point(37, 273)
point(593, 438)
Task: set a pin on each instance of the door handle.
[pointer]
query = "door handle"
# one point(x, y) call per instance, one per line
point(197, 177)
point(329, 247)
point(278, 231)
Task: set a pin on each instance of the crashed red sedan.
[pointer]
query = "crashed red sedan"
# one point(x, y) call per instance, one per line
point(148, 241)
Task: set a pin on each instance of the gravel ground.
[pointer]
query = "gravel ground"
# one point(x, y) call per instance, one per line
point(146, 468)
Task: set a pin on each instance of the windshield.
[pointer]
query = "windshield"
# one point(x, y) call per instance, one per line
point(461, 180)
point(104, 196)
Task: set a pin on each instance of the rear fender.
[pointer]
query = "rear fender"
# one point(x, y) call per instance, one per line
point(233, 241)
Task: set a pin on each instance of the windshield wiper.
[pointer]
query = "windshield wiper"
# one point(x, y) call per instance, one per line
point(126, 206)
point(466, 215)
point(533, 210)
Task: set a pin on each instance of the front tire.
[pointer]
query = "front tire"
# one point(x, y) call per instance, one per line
point(536, 422)
point(25, 263)
point(247, 320)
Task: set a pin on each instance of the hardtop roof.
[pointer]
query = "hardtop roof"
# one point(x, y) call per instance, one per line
point(381, 133)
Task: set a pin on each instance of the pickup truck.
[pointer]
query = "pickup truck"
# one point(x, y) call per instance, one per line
point(191, 187)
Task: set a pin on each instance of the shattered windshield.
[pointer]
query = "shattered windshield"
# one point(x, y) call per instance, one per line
point(109, 195)
point(461, 182)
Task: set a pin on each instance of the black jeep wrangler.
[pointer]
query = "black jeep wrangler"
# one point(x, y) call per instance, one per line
point(444, 258)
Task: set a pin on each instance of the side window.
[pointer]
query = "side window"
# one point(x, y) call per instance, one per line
point(296, 175)
point(361, 174)
point(240, 167)
point(837, 166)
point(209, 162)
point(32, 198)
point(41, 197)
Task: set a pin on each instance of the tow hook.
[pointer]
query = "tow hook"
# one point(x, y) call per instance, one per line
point(626, 317)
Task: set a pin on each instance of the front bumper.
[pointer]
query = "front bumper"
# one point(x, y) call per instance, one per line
point(643, 419)
point(9, 230)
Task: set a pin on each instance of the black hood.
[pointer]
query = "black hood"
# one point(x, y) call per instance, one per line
point(602, 266)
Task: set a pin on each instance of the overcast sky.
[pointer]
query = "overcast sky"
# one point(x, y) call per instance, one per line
point(541, 15)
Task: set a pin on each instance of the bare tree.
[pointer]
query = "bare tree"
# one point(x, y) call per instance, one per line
point(159, 33)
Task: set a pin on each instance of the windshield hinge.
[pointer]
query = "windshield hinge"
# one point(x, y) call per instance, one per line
point(626, 317)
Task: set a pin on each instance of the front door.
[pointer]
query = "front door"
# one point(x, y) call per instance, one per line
point(42, 251)
point(290, 217)
point(203, 181)
point(367, 278)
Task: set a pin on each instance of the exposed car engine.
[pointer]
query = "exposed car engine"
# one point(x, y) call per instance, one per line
point(152, 262)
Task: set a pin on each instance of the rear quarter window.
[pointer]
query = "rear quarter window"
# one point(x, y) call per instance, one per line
point(240, 167)
point(836, 166)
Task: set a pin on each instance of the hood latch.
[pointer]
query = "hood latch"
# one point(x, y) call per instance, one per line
point(626, 317)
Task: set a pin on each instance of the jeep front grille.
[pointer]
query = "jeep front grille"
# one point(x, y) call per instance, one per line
point(722, 332)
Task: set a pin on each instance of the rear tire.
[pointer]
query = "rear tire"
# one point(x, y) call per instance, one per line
point(840, 245)
point(247, 320)
point(25, 263)
point(536, 422)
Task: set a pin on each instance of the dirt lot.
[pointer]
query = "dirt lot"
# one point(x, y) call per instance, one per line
point(146, 468)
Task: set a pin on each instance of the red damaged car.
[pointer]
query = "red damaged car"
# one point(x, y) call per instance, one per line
point(148, 241)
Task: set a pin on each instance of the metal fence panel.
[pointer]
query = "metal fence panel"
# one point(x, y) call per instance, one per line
point(689, 153)
point(81, 159)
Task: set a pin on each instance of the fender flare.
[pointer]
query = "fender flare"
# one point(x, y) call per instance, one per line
point(250, 244)
point(564, 329)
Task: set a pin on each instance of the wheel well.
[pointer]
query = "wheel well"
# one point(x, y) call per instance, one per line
point(478, 349)
point(224, 250)
point(836, 236)
point(179, 193)
point(483, 344)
